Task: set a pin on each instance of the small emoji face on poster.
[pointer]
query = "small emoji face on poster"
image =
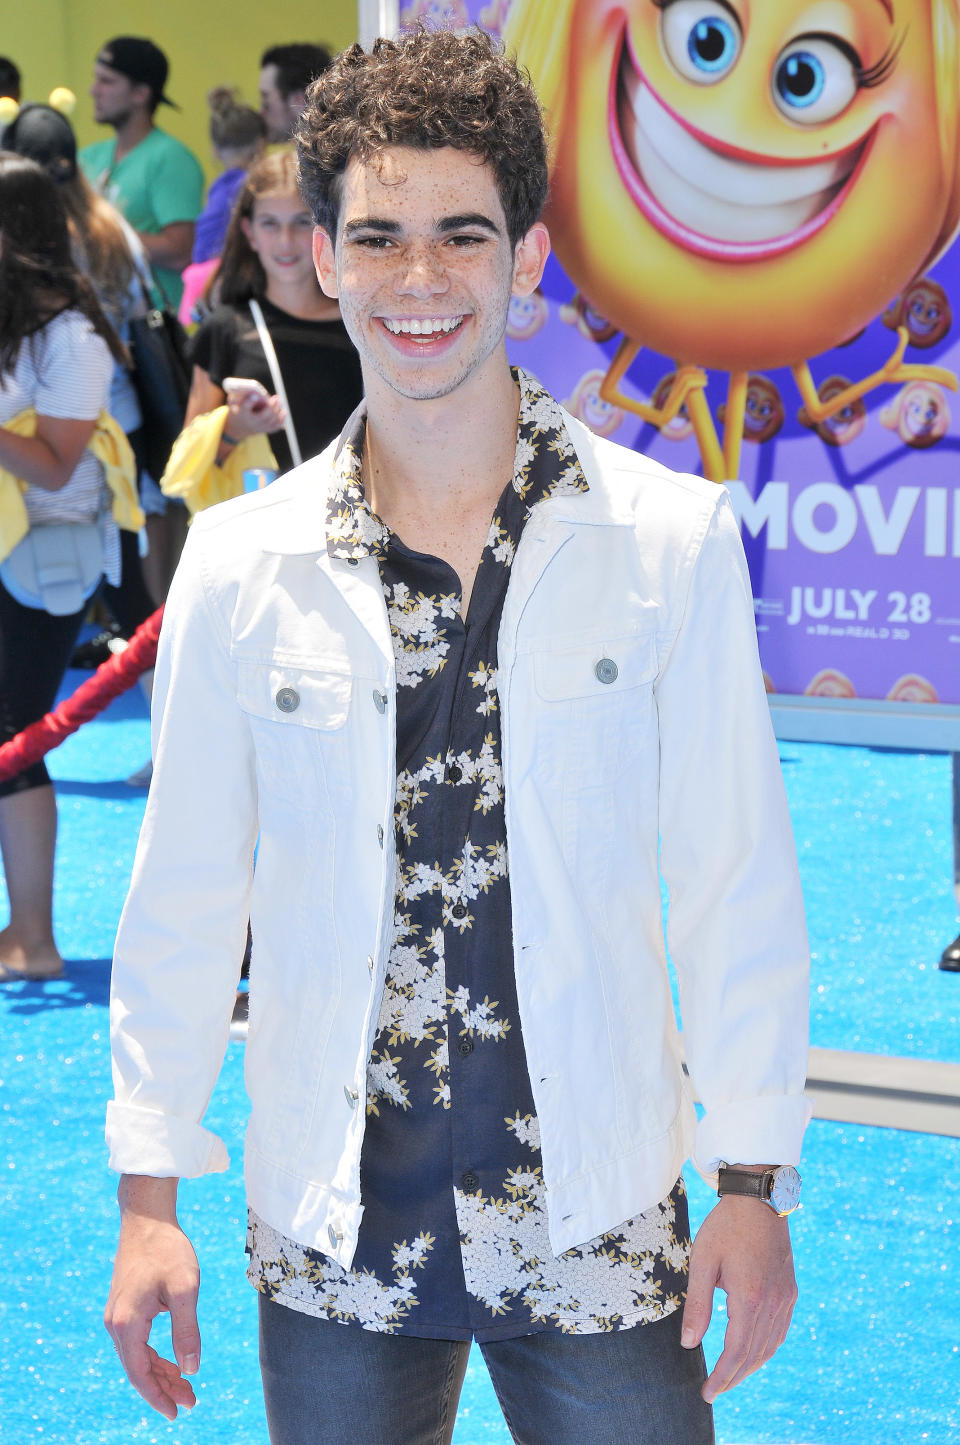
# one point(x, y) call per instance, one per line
point(919, 414)
point(828, 682)
point(679, 427)
point(846, 424)
point(579, 313)
point(434, 14)
point(743, 184)
point(527, 316)
point(763, 413)
point(588, 406)
point(912, 688)
point(924, 309)
point(493, 17)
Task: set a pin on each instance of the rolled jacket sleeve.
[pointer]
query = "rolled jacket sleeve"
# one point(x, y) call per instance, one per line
point(183, 927)
point(736, 929)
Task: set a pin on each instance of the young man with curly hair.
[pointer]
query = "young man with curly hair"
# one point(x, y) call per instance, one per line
point(458, 676)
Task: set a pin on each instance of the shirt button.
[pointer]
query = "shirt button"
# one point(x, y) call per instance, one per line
point(469, 1182)
point(353, 561)
point(459, 910)
point(607, 670)
point(287, 699)
point(380, 835)
point(334, 1235)
point(350, 1095)
point(379, 700)
point(454, 774)
point(464, 1046)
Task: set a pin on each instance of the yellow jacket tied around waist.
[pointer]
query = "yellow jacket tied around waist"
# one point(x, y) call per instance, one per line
point(111, 449)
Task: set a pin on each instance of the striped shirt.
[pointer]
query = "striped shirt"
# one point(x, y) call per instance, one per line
point(64, 371)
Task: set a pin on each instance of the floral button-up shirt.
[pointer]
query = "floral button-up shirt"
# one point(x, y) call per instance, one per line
point(453, 1242)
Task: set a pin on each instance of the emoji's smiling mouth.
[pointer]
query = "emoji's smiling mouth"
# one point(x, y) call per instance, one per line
point(710, 198)
point(923, 325)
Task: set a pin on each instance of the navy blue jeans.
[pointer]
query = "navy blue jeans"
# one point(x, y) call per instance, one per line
point(332, 1384)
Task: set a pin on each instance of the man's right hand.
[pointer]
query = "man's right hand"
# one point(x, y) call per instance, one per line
point(155, 1271)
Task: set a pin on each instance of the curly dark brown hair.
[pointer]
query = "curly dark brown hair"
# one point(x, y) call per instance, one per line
point(431, 89)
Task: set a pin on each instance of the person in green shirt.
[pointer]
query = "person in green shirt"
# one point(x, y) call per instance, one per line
point(152, 178)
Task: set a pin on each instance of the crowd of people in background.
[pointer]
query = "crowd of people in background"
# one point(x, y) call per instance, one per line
point(92, 241)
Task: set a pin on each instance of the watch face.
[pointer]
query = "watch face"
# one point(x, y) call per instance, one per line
point(785, 1193)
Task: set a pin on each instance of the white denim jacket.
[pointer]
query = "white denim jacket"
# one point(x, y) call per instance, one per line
point(633, 710)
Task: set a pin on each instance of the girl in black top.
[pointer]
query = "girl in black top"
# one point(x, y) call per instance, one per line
point(267, 257)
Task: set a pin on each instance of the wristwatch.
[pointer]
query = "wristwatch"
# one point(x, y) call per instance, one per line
point(780, 1187)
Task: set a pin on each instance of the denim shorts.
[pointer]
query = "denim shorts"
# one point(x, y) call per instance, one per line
point(327, 1383)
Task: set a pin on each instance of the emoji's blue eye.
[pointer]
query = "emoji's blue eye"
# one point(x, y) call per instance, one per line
point(700, 38)
point(800, 79)
point(814, 80)
point(712, 45)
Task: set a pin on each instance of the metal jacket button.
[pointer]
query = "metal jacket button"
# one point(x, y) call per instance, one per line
point(370, 963)
point(607, 670)
point(287, 699)
point(379, 700)
point(380, 835)
point(334, 1235)
point(353, 561)
point(350, 1095)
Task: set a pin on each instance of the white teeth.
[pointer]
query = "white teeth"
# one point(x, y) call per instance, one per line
point(715, 194)
point(423, 326)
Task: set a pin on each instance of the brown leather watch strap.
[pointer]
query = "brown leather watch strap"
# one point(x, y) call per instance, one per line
point(745, 1182)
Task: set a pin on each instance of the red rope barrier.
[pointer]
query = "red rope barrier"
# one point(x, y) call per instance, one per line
point(111, 678)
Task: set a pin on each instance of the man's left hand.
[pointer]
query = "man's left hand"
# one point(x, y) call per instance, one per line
point(743, 1248)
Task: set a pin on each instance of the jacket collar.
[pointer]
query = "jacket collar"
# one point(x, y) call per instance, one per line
point(325, 510)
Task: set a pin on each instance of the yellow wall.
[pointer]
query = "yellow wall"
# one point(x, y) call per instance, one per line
point(207, 42)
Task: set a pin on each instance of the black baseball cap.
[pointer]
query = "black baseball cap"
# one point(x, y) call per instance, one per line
point(43, 135)
point(140, 61)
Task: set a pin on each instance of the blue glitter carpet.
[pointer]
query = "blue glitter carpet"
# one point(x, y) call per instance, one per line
point(873, 1356)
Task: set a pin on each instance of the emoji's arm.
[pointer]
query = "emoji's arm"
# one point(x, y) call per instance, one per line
point(687, 389)
point(893, 370)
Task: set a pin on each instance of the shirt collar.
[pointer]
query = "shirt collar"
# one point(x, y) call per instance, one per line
point(545, 465)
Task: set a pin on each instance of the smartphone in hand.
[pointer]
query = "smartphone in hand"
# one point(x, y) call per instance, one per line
point(245, 390)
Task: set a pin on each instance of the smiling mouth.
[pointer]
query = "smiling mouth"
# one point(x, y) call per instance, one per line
point(422, 328)
point(710, 199)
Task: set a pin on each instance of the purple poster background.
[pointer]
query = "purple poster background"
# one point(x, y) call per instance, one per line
point(852, 530)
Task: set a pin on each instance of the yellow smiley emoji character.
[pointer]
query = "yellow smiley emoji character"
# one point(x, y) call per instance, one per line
point(743, 185)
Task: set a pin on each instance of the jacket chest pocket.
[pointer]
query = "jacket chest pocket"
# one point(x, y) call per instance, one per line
point(297, 720)
point(595, 699)
point(596, 671)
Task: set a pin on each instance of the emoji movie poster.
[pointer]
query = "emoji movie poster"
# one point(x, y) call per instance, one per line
point(753, 207)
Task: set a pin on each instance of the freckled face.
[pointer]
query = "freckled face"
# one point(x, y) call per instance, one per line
point(424, 270)
point(728, 172)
